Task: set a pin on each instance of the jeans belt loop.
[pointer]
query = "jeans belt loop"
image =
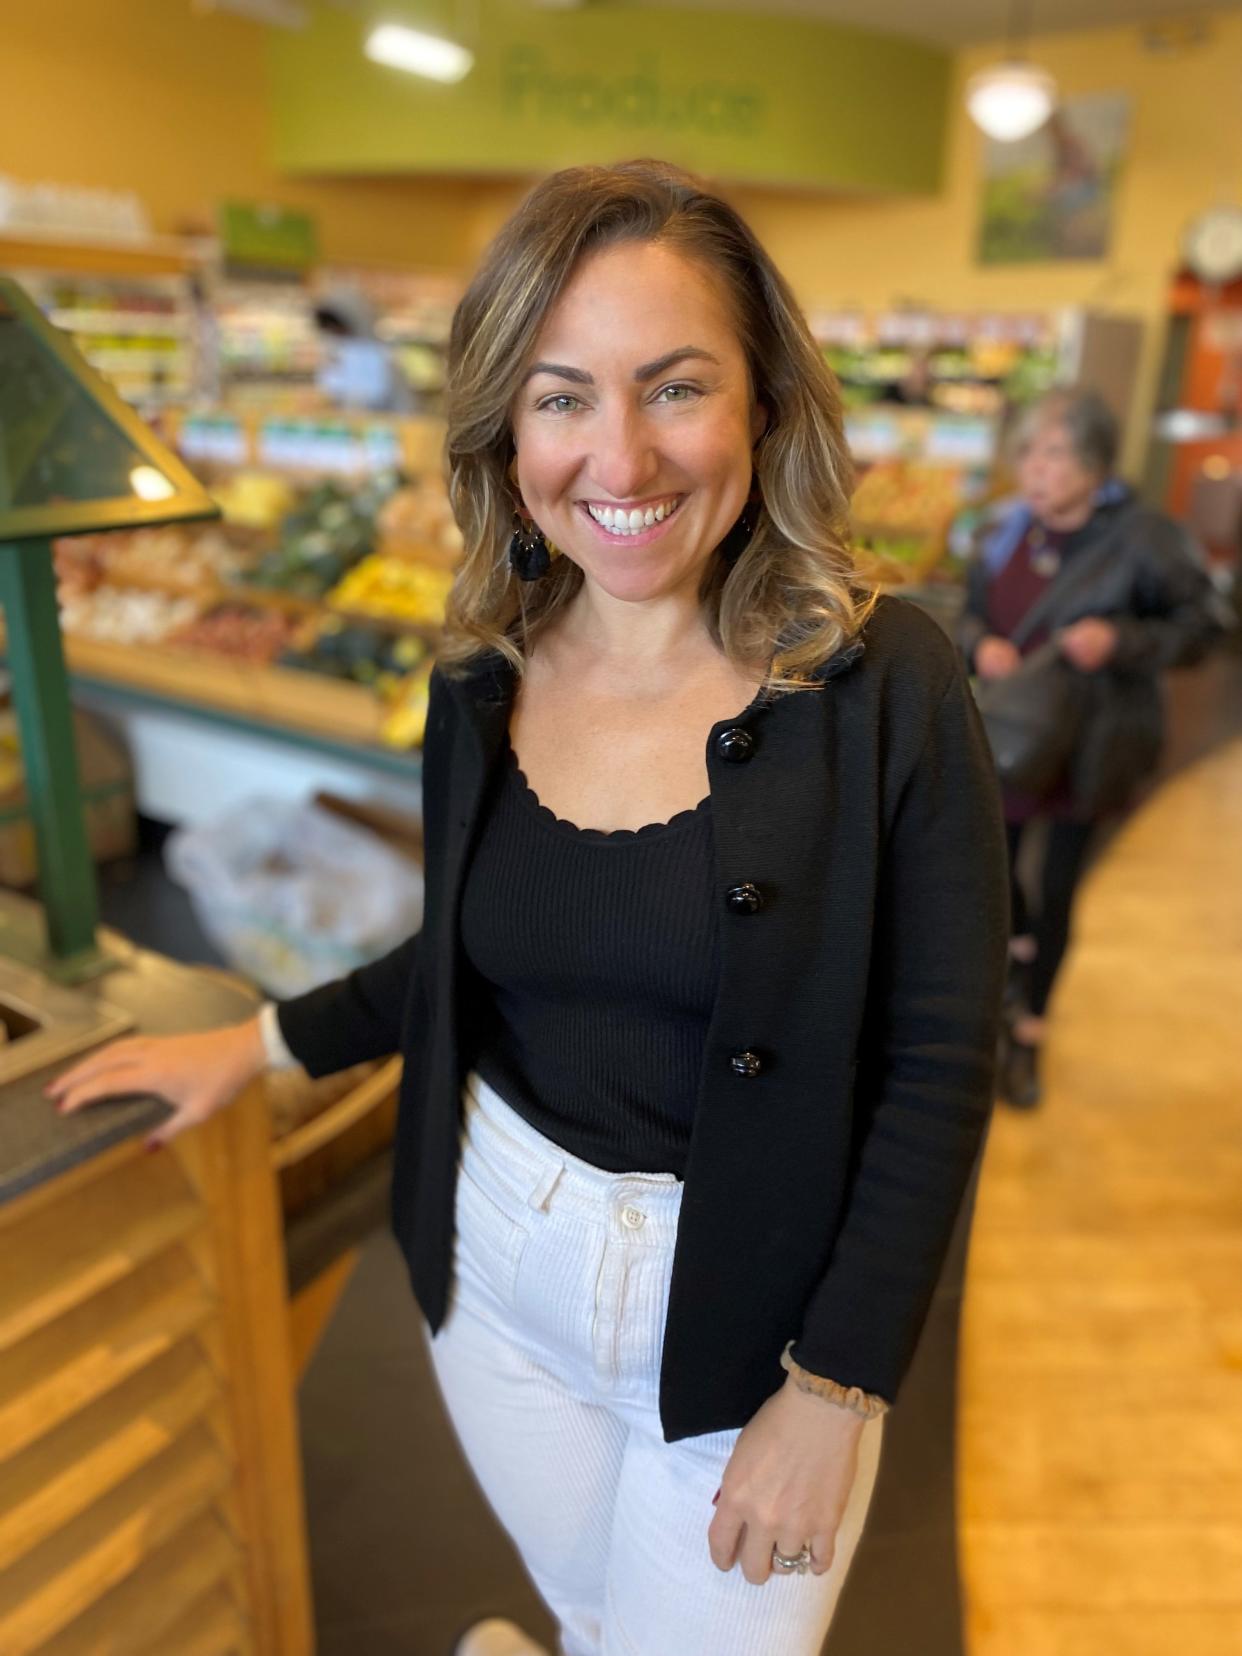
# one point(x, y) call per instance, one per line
point(541, 1194)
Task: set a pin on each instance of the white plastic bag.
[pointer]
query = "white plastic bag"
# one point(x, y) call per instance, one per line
point(292, 894)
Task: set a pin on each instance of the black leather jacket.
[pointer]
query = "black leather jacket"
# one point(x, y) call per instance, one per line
point(1135, 567)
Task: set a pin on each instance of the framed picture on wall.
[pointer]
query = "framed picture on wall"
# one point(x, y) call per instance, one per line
point(1050, 196)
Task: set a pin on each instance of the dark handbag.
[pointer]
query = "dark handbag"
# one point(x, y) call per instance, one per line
point(1033, 721)
point(1034, 718)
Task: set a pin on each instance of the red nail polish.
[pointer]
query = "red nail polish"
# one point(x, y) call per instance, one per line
point(152, 1144)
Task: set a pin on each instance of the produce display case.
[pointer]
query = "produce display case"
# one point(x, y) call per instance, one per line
point(228, 365)
point(903, 511)
point(312, 608)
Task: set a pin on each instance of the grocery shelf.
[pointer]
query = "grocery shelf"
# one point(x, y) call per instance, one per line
point(120, 321)
point(53, 251)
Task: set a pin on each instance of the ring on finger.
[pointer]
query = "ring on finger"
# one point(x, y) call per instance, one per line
point(792, 1564)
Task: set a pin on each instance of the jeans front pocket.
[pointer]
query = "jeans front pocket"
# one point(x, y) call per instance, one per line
point(490, 1240)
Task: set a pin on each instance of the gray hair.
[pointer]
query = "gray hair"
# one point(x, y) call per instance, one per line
point(1087, 418)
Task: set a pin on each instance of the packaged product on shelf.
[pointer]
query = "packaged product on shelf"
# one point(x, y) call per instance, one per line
point(107, 782)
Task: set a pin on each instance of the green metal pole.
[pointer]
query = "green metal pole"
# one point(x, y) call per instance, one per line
point(45, 723)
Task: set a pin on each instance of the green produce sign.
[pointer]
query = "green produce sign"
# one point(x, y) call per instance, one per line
point(762, 98)
point(540, 90)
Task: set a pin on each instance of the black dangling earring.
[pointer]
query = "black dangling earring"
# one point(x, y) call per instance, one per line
point(529, 556)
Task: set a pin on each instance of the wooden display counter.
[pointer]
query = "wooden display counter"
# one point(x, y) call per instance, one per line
point(277, 696)
point(150, 1481)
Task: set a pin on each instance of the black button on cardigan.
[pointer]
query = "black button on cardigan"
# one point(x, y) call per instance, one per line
point(744, 899)
point(735, 745)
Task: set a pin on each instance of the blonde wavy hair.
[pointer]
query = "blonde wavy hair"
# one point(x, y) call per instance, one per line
point(791, 599)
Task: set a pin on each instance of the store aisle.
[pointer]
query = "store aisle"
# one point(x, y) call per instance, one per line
point(1101, 1406)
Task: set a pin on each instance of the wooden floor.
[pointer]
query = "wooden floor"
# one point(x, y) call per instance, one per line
point(1101, 1411)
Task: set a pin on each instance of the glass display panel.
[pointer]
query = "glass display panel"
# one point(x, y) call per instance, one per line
point(56, 443)
point(73, 456)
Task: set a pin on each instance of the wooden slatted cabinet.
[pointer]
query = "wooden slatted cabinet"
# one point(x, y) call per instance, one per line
point(150, 1485)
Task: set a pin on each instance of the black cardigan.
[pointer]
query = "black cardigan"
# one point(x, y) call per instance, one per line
point(847, 1075)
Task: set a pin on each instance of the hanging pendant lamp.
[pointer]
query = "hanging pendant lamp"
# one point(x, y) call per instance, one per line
point(1013, 98)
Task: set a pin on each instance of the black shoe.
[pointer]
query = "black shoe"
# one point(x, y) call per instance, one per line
point(1019, 1076)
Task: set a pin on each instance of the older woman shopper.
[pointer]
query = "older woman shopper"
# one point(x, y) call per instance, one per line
point(700, 1026)
point(1122, 591)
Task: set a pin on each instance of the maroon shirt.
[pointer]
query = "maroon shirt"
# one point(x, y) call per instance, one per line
point(1011, 593)
point(1020, 585)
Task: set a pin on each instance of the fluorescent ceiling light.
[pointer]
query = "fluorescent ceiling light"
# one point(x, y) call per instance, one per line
point(1010, 100)
point(417, 53)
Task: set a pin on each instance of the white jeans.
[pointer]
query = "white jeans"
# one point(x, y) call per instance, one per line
point(549, 1362)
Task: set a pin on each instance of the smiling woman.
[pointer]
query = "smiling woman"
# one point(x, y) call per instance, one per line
point(631, 454)
point(627, 345)
point(699, 1029)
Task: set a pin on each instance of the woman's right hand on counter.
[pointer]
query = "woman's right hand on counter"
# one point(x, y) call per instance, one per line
point(996, 658)
point(195, 1074)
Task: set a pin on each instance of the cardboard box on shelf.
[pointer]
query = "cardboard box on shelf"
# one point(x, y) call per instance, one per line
point(107, 797)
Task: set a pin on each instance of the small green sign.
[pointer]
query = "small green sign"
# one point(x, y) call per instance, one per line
point(267, 237)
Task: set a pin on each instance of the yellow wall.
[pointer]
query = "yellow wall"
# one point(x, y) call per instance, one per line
point(140, 94)
point(1185, 152)
point(143, 95)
